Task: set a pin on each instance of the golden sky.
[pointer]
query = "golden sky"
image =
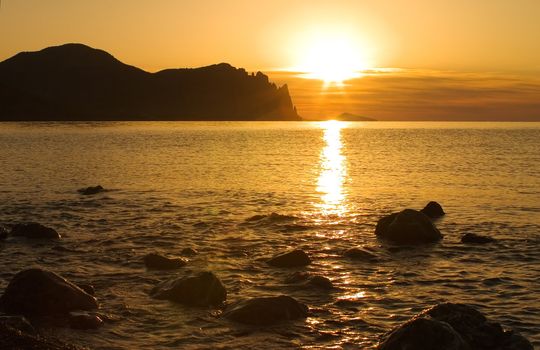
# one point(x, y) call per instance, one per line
point(497, 41)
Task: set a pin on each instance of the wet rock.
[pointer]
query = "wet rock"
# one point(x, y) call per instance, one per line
point(201, 289)
point(88, 288)
point(189, 252)
point(425, 334)
point(84, 321)
point(360, 254)
point(160, 262)
point(34, 230)
point(309, 280)
point(42, 292)
point(273, 217)
point(476, 239)
point(17, 322)
point(91, 190)
point(293, 258)
point(433, 210)
point(266, 311)
point(320, 282)
point(12, 338)
point(407, 227)
point(431, 330)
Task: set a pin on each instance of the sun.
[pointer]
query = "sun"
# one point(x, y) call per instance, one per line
point(332, 59)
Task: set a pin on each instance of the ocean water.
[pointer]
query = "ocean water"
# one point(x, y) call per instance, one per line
point(179, 184)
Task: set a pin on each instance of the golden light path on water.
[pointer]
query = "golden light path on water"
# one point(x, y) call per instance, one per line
point(333, 171)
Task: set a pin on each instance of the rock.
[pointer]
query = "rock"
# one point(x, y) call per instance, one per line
point(159, 262)
point(201, 289)
point(476, 239)
point(423, 333)
point(18, 322)
point(452, 326)
point(360, 254)
point(189, 252)
point(433, 210)
point(84, 321)
point(407, 227)
point(88, 288)
point(320, 282)
point(266, 311)
point(91, 190)
point(34, 230)
point(309, 280)
point(290, 259)
point(42, 292)
point(12, 338)
point(3, 232)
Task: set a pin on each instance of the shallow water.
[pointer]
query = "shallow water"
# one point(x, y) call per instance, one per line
point(177, 185)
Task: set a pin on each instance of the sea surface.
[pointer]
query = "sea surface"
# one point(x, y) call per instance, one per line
point(189, 184)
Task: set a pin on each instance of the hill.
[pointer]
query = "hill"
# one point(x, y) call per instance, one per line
point(79, 83)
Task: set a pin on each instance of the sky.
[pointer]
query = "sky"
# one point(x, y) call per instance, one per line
point(452, 60)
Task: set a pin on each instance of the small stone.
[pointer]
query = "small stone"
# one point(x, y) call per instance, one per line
point(189, 252)
point(91, 190)
point(293, 258)
point(160, 262)
point(321, 282)
point(266, 311)
point(33, 230)
point(201, 289)
point(433, 210)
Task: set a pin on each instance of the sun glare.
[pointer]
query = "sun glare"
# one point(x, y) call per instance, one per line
point(332, 60)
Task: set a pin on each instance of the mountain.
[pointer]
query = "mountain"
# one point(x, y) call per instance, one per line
point(76, 82)
point(354, 118)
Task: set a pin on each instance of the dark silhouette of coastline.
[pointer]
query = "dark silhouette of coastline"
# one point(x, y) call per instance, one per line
point(349, 117)
point(74, 82)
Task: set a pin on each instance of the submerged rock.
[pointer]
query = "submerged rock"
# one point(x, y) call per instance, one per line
point(3, 232)
point(201, 289)
point(293, 258)
point(160, 262)
point(266, 311)
point(309, 280)
point(17, 322)
point(433, 210)
point(33, 230)
point(360, 254)
point(478, 239)
point(189, 252)
point(42, 292)
point(407, 227)
point(320, 282)
point(91, 190)
point(452, 327)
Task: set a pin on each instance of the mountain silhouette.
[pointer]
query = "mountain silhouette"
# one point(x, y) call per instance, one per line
point(79, 83)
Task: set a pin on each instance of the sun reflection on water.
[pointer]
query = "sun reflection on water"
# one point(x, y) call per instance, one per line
point(333, 170)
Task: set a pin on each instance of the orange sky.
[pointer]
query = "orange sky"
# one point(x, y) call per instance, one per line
point(460, 55)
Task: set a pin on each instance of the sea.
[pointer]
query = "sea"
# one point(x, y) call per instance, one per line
point(316, 186)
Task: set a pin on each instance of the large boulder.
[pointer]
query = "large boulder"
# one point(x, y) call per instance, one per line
point(433, 210)
point(266, 311)
point(34, 230)
point(407, 227)
point(293, 258)
point(160, 262)
point(452, 327)
point(201, 289)
point(91, 190)
point(42, 293)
